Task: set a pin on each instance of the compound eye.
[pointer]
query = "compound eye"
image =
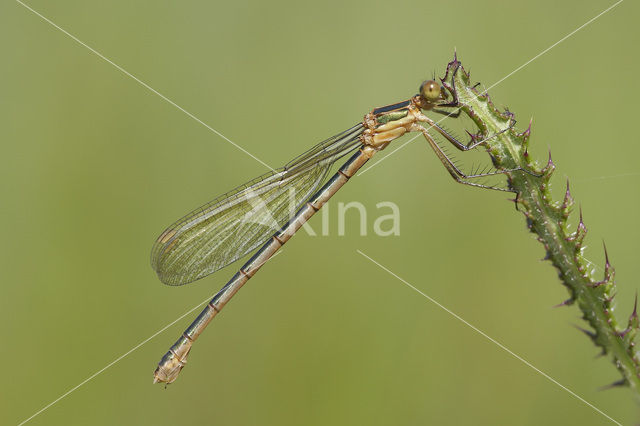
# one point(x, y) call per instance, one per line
point(430, 91)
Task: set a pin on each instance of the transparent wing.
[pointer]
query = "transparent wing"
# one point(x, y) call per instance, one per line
point(232, 225)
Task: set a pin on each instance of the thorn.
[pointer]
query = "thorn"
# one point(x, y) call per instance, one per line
point(606, 255)
point(515, 200)
point(581, 232)
point(619, 383)
point(623, 332)
point(609, 271)
point(581, 227)
point(549, 168)
point(568, 302)
point(525, 135)
point(508, 114)
point(589, 333)
point(596, 284)
point(610, 298)
point(527, 132)
point(567, 193)
point(472, 136)
point(633, 318)
point(568, 202)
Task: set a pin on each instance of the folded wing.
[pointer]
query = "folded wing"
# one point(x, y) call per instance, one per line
point(234, 224)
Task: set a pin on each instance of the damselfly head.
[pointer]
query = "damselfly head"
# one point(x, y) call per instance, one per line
point(431, 91)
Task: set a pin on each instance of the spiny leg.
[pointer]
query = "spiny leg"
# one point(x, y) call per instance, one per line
point(473, 144)
point(457, 169)
point(454, 171)
point(453, 114)
point(455, 142)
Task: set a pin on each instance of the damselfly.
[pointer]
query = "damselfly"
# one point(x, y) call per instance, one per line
point(236, 223)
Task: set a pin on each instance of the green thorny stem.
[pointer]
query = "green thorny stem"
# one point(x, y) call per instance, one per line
point(548, 220)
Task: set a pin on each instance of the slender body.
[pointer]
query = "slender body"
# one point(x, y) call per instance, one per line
point(231, 226)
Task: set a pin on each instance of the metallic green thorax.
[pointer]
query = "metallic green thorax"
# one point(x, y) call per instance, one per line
point(391, 116)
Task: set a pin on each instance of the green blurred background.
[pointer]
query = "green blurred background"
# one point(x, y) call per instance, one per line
point(94, 166)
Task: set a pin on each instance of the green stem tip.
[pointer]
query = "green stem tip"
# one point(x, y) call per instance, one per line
point(548, 219)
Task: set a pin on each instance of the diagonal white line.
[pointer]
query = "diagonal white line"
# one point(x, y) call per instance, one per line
point(502, 79)
point(145, 85)
point(124, 355)
point(393, 152)
point(555, 44)
point(491, 339)
point(91, 377)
